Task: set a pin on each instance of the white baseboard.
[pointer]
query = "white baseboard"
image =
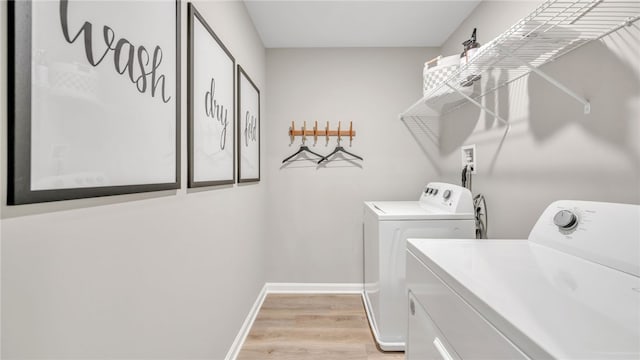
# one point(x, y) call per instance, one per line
point(286, 288)
point(314, 288)
point(234, 350)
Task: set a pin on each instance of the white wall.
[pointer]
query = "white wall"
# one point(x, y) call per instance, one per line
point(159, 275)
point(315, 212)
point(553, 151)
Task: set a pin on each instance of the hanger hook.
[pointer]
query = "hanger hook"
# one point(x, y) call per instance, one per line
point(315, 133)
point(304, 132)
point(292, 135)
point(326, 133)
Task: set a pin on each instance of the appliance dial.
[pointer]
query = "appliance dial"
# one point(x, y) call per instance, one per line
point(565, 220)
point(447, 194)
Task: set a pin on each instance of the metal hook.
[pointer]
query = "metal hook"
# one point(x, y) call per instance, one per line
point(326, 133)
point(304, 132)
point(315, 133)
point(291, 132)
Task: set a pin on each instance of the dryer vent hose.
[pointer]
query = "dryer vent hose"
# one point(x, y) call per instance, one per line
point(479, 205)
point(482, 216)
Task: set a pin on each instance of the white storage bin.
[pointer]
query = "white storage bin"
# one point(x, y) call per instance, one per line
point(434, 75)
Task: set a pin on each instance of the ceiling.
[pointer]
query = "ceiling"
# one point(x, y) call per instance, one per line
point(359, 23)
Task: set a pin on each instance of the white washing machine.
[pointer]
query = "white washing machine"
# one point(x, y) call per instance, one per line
point(571, 291)
point(443, 211)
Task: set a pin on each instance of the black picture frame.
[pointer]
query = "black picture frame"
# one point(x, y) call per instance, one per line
point(211, 158)
point(248, 130)
point(19, 175)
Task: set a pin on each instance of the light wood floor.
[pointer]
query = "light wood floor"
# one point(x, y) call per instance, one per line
point(305, 327)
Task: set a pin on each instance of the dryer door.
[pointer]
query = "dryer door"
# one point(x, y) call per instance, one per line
point(425, 341)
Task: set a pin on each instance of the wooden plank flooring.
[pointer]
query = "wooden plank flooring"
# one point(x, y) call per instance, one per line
point(308, 327)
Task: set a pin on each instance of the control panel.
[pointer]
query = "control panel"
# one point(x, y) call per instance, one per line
point(565, 220)
point(605, 233)
point(449, 197)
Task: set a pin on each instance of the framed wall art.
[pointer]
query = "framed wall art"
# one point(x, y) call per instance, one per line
point(248, 128)
point(211, 108)
point(94, 94)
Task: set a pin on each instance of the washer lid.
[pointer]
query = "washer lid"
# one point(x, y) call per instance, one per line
point(411, 210)
point(542, 298)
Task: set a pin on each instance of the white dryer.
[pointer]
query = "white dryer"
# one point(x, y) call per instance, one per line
point(443, 211)
point(571, 291)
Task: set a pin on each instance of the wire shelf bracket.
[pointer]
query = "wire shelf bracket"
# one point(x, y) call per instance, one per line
point(484, 108)
point(476, 103)
point(553, 81)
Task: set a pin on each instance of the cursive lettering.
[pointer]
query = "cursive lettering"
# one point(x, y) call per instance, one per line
point(250, 128)
point(216, 111)
point(124, 55)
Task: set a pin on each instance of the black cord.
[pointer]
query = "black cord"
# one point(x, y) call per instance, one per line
point(464, 177)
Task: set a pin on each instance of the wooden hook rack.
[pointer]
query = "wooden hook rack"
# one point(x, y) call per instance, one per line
point(326, 132)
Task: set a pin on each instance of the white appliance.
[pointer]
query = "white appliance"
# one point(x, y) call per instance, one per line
point(572, 291)
point(443, 211)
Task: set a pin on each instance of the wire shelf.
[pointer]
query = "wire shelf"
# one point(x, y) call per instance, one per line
point(552, 30)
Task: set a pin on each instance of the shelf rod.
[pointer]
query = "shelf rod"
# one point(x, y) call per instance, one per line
point(628, 22)
point(556, 83)
point(486, 109)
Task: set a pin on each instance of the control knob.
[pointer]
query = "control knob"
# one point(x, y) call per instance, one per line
point(447, 194)
point(565, 220)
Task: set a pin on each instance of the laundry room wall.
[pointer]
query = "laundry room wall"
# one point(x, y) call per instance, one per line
point(167, 275)
point(553, 151)
point(315, 211)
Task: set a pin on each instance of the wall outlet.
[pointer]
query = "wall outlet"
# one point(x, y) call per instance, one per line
point(469, 156)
